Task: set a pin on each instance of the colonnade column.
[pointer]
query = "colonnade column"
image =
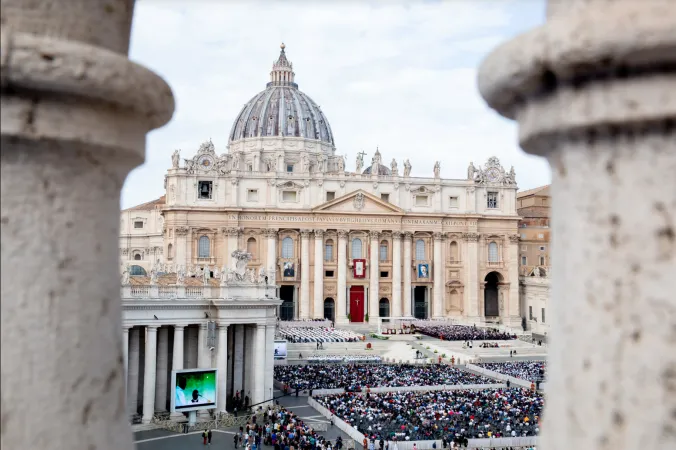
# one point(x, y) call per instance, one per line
point(396, 274)
point(162, 365)
point(70, 136)
point(437, 309)
point(201, 347)
point(149, 374)
point(304, 312)
point(238, 360)
point(472, 277)
point(271, 263)
point(177, 358)
point(259, 369)
point(374, 276)
point(599, 103)
point(133, 369)
point(408, 238)
point(269, 360)
point(513, 308)
point(222, 365)
point(319, 275)
point(341, 306)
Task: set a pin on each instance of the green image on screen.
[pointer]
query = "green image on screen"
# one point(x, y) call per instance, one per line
point(195, 389)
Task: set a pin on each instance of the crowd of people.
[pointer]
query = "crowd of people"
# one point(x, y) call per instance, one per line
point(464, 333)
point(317, 334)
point(447, 415)
point(321, 359)
point(355, 377)
point(526, 370)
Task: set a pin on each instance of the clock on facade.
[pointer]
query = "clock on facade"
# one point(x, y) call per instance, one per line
point(493, 174)
point(205, 161)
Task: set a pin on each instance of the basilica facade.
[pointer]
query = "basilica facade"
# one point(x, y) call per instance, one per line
point(348, 245)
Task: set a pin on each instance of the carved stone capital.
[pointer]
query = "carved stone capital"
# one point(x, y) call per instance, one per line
point(374, 234)
point(408, 235)
point(397, 235)
point(181, 231)
point(438, 236)
point(514, 238)
point(270, 232)
point(471, 237)
point(233, 231)
point(343, 233)
point(319, 233)
point(305, 234)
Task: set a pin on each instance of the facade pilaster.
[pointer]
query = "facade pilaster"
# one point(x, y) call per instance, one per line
point(513, 310)
point(271, 264)
point(133, 376)
point(304, 312)
point(599, 103)
point(374, 276)
point(438, 299)
point(408, 238)
point(162, 367)
point(181, 246)
point(70, 136)
point(319, 275)
point(341, 306)
point(396, 274)
point(222, 365)
point(472, 282)
point(149, 374)
point(177, 356)
point(259, 371)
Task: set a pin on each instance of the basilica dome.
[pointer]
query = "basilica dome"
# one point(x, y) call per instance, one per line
point(282, 110)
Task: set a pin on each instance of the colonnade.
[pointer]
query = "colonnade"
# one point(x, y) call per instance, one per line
point(242, 353)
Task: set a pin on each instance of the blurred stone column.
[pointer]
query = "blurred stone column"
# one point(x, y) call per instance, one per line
point(594, 91)
point(162, 368)
point(75, 113)
point(341, 304)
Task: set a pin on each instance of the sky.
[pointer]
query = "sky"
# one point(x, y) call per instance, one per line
point(395, 75)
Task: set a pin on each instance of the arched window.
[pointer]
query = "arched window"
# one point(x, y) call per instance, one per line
point(328, 250)
point(455, 256)
point(287, 247)
point(251, 247)
point(383, 251)
point(493, 252)
point(420, 250)
point(137, 270)
point(137, 257)
point(203, 247)
point(356, 248)
point(170, 251)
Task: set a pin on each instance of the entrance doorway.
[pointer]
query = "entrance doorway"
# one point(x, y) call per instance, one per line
point(286, 295)
point(329, 309)
point(356, 303)
point(420, 302)
point(384, 308)
point(491, 307)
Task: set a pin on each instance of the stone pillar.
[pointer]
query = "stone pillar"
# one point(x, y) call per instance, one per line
point(271, 264)
point(222, 365)
point(249, 369)
point(202, 350)
point(513, 314)
point(374, 277)
point(269, 360)
point(472, 277)
point(408, 237)
point(438, 299)
point(304, 312)
point(238, 357)
point(396, 274)
point(259, 370)
point(149, 374)
point(318, 306)
point(341, 304)
point(125, 355)
point(161, 369)
point(233, 240)
point(182, 247)
point(75, 113)
point(133, 376)
point(177, 361)
point(598, 101)
point(192, 339)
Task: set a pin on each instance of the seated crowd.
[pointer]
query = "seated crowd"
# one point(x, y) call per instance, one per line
point(465, 333)
point(526, 370)
point(448, 415)
point(308, 334)
point(354, 377)
point(344, 358)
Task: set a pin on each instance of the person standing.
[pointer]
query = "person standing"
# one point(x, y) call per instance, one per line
point(204, 437)
point(209, 436)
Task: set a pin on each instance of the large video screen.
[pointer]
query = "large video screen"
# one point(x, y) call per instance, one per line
point(194, 389)
point(280, 349)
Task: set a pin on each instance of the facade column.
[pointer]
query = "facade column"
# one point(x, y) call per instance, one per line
point(374, 276)
point(238, 361)
point(162, 366)
point(396, 274)
point(408, 238)
point(233, 240)
point(202, 347)
point(437, 308)
point(192, 342)
point(181, 246)
point(304, 312)
point(125, 356)
point(269, 360)
point(133, 376)
point(259, 371)
point(222, 365)
point(599, 103)
point(472, 277)
point(71, 136)
point(177, 361)
point(271, 264)
point(341, 306)
point(513, 313)
point(149, 374)
point(318, 312)
point(249, 362)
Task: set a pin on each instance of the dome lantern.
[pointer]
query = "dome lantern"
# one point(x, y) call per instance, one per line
point(282, 70)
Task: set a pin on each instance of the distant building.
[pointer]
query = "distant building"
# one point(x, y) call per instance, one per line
point(533, 206)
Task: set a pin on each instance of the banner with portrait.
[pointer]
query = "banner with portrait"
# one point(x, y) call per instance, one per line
point(423, 270)
point(359, 268)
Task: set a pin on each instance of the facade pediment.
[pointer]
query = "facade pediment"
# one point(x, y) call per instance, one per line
point(359, 201)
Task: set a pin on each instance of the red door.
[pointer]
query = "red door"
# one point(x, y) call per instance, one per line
point(357, 304)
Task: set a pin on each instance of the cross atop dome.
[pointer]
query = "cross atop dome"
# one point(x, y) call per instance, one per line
point(282, 70)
